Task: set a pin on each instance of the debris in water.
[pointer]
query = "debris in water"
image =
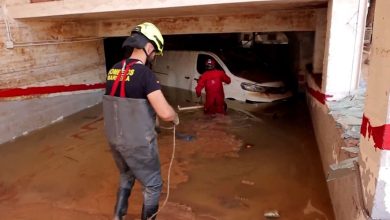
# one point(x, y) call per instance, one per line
point(272, 214)
point(247, 182)
point(247, 146)
point(208, 216)
point(185, 137)
point(70, 158)
point(240, 198)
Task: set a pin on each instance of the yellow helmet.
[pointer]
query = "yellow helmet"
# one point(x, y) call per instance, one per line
point(151, 32)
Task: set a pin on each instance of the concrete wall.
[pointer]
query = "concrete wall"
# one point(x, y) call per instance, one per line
point(343, 49)
point(305, 54)
point(319, 41)
point(23, 116)
point(350, 200)
point(344, 189)
point(53, 70)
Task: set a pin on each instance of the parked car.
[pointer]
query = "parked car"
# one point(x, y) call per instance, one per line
point(182, 69)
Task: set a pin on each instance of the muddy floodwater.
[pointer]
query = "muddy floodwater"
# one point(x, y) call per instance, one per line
point(258, 158)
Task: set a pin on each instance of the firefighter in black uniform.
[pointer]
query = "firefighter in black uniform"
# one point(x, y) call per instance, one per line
point(132, 99)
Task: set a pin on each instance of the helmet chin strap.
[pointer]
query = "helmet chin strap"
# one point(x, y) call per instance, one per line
point(147, 55)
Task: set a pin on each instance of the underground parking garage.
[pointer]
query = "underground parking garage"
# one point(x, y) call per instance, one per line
point(242, 165)
point(56, 65)
point(262, 59)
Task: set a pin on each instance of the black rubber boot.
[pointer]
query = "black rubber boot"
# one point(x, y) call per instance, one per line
point(121, 203)
point(149, 211)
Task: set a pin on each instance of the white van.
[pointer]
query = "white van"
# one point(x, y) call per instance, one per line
point(182, 69)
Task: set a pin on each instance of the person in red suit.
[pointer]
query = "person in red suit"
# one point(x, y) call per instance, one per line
point(212, 80)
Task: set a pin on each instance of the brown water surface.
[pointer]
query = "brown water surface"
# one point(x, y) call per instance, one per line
point(257, 158)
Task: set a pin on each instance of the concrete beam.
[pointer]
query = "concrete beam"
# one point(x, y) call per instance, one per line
point(297, 20)
point(319, 41)
point(99, 9)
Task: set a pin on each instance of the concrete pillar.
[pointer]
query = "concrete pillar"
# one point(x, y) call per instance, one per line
point(319, 41)
point(304, 51)
point(375, 139)
point(345, 26)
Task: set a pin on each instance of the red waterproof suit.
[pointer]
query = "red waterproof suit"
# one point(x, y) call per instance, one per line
point(215, 97)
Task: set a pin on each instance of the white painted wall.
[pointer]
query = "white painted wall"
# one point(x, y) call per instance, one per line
point(381, 203)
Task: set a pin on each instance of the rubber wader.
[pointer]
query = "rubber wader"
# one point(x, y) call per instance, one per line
point(130, 130)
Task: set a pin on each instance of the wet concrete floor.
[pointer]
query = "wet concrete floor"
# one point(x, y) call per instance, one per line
point(258, 158)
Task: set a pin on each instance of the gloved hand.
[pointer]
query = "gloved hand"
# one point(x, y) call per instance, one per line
point(198, 92)
point(176, 120)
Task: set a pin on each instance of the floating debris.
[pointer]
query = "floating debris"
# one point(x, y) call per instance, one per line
point(71, 158)
point(247, 146)
point(272, 214)
point(240, 198)
point(247, 182)
point(185, 137)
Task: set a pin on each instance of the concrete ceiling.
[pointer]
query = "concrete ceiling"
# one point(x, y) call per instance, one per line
point(99, 9)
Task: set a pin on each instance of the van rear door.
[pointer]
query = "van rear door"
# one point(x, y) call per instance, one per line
point(174, 69)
